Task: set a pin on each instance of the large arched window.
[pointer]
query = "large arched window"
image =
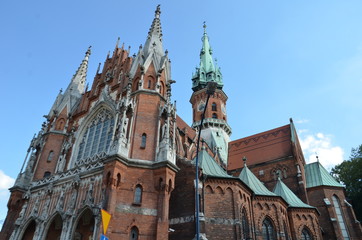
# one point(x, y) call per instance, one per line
point(134, 233)
point(268, 230)
point(340, 218)
point(245, 225)
point(306, 235)
point(97, 136)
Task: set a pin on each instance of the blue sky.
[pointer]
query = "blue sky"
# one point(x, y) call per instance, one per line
point(279, 59)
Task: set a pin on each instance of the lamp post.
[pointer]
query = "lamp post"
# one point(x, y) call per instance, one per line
point(210, 89)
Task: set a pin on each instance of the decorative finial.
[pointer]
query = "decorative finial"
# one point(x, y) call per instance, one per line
point(204, 26)
point(89, 50)
point(244, 160)
point(61, 90)
point(117, 42)
point(317, 157)
point(158, 11)
point(99, 67)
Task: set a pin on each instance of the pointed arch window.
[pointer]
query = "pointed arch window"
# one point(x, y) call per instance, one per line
point(245, 225)
point(138, 195)
point(97, 136)
point(268, 230)
point(143, 140)
point(50, 156)
point(306, 235)
point(340, 217)
point(134, 233)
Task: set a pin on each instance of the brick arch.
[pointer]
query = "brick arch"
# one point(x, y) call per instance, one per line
point(272, 219)
point(229, 191)
point(267, 206)
point(150, 82)
point(308, 227)
point(209, 190)
point(258, 205)
point(219, 190)
point(60, 124)
point(240, 195)
point(135, 85)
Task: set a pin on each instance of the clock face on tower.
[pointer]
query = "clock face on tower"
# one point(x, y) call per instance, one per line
point(223, 109)
point(201, 106)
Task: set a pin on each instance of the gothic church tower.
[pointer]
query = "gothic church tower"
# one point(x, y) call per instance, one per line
point(109, 147)
point(215, 130)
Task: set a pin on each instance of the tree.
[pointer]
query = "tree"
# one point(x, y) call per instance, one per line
point(349, 173)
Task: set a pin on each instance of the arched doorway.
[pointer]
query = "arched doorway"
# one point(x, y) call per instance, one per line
point(55, 228)
point(84, 226)
point(30, 230)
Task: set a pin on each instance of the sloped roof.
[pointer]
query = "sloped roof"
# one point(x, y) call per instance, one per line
point(209, 166)
point(317, 175)
point(282, 190)
point(254, 183)
point(261, 147)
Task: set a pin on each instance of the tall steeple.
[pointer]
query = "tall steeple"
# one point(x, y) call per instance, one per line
point(215, 130)
point(154, 38)
point(207, 71)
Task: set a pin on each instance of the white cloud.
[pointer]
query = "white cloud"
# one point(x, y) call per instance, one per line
point(321, 145)
point(5, 183)
point(301, 121)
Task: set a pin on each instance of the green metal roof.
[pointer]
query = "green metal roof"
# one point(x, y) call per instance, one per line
point(317, 175)
point(207, 71)
point(282, 190)
point(209, 166)
point(253, 182)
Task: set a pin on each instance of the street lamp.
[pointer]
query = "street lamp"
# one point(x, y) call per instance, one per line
point(210, 89)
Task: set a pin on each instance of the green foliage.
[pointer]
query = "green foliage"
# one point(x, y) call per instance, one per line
point(349, 173)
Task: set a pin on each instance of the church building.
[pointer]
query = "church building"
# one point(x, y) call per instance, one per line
point(120, 146)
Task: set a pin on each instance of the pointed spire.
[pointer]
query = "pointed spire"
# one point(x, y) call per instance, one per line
point(207, 70)
point(117, 42)
point(154, 37)
point(206, 53)
point(79, 78)
point(244, 160)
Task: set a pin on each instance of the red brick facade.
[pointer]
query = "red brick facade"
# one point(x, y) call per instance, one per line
point(120, 146)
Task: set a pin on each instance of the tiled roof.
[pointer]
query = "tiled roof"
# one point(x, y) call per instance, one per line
point(317, 175)
point(253, 182)
point(282, 190)
point(209, 166)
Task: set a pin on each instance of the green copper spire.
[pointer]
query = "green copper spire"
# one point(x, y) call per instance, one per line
point(207, 71)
